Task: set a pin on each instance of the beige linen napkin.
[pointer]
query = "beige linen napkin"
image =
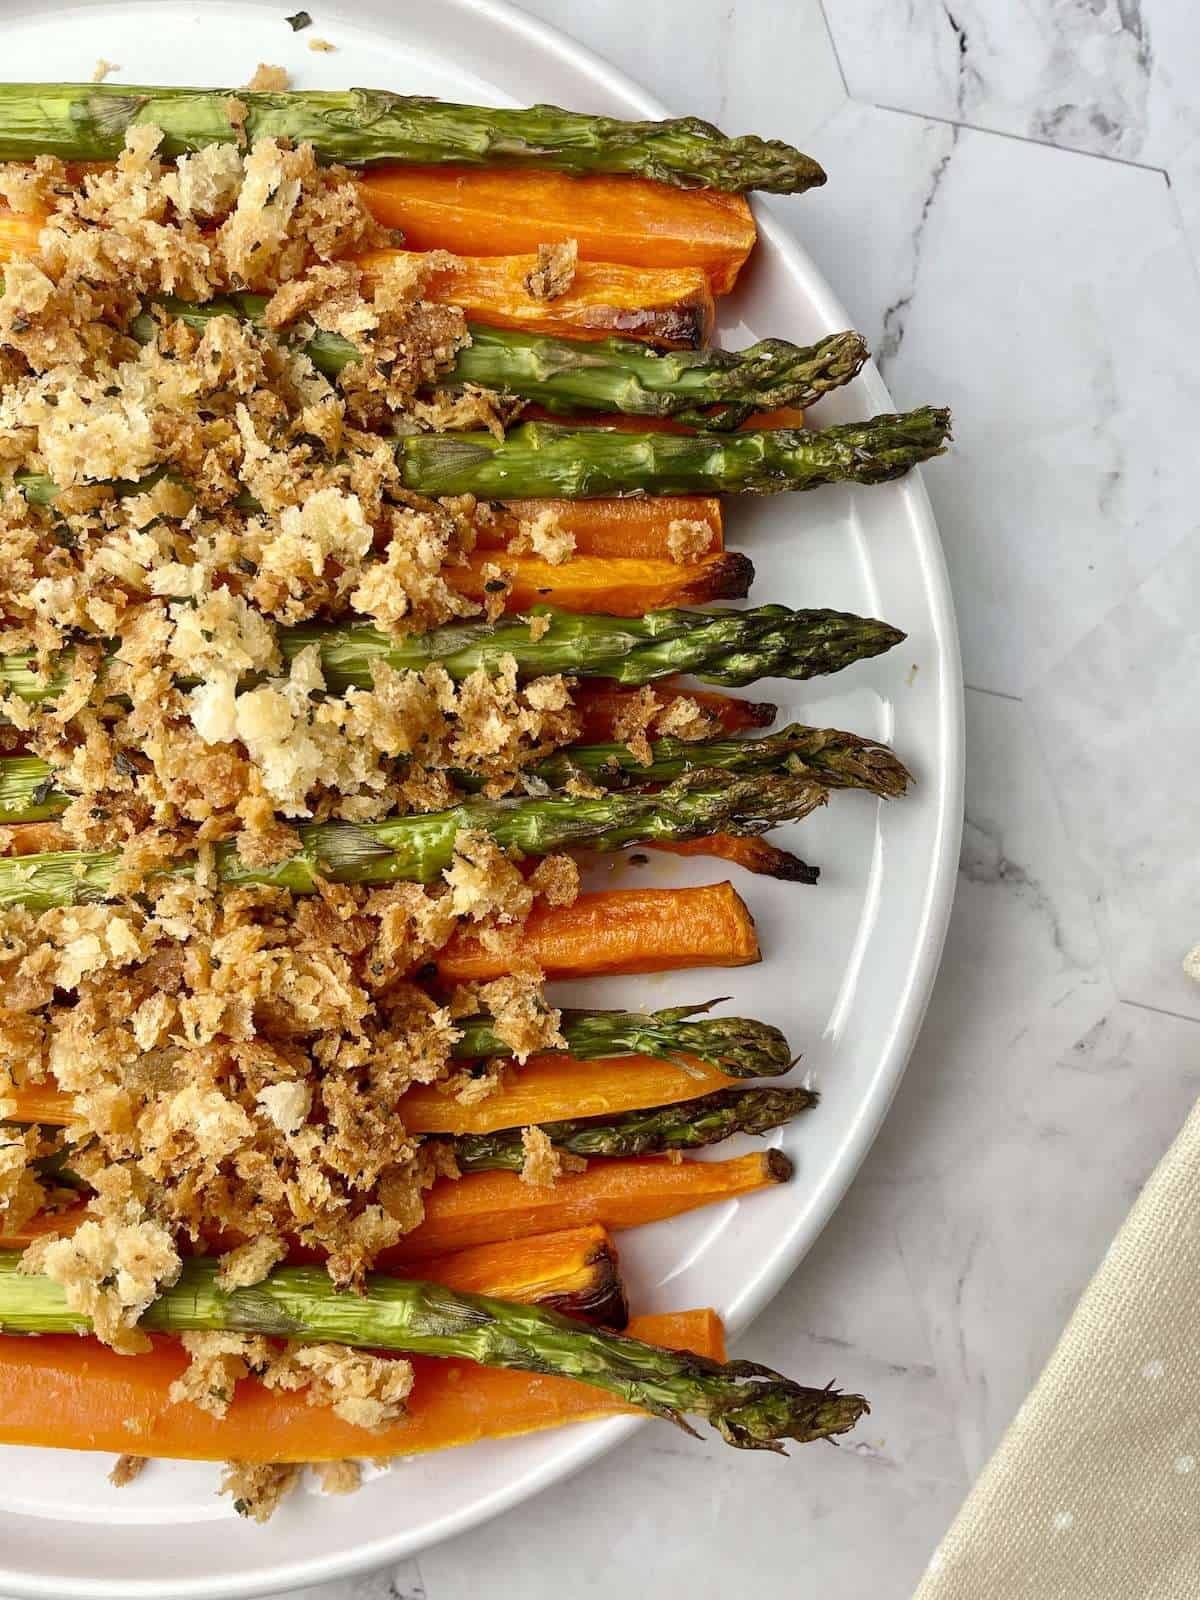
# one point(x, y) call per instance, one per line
point(1094, 1492)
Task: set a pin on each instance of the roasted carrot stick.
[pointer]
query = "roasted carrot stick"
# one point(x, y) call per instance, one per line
point(552, 1088)
point(548, 1088)
point(668, 306)
point(664, 304)
point(601, 704)
point(619, 586)
point(76, 1394)
point(620, 931)
point(612, 219)
point(630, 527)
point(754, 855)
point(574, 1271)
point(488, 1206)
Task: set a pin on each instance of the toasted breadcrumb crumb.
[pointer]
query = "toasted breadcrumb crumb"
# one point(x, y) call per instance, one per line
point(688, 539)
point(686, 719)
point(259, 1488)
point(322, 46)
point(633, 720)
point(101, 71)
point(338, 1477)
point(554, 270)
point(269, 79)
point(542, 1163)
point(544, 536)
point(125, 1470)
point(109, 1271)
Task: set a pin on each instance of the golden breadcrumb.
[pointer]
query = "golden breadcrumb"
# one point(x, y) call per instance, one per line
point(109, 1271)
point(688, 539)
point(258, 1488)
point(269, 79)
point(544, 536)
point(554, 271)
point(125, 1470)
point(685, 718)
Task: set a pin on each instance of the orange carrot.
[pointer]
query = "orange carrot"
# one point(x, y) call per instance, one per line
point(625, 1193)
point(601, 704)
point(553, 1087)
point(755, 855)
point(548, 1088)
point(632, 220)
point(74, 1393)
point(493, 1207)
point(630, 527)
point(620, 586)
point(574, 1271)
point(619, 931)
point(668, 306)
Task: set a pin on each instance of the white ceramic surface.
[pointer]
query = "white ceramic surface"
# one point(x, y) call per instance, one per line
point(849, 965)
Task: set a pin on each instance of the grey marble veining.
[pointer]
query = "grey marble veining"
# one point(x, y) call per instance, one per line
point(999, 223)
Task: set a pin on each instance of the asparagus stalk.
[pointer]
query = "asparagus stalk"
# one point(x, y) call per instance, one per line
point(553, 460)
point(837, 760)
point(717, 646)
point(570, 375)
point(691, 1125)
point(751, 1406)
point(88, 122)
point(417, 849)
point(739, 1046)
point(540, 460)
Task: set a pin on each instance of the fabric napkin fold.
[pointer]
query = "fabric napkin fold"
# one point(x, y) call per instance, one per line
point(1094, 1492)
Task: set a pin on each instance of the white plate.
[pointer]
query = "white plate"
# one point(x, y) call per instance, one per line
point(848, 967)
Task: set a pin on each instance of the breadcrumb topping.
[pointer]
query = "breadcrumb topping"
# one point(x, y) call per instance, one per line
point(237, 1061)
point(553, 272)
point(688, 539)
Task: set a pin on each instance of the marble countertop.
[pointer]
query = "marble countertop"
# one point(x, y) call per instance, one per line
point(1013, 219)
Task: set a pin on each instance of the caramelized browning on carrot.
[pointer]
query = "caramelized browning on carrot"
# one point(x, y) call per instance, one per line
point(487, 1206)
point(620, 931)
point(552, 1088)
point(671, 306)
point(630, 527)
point(620, 586)
point(755, 855)
point(73, 1393)
point(625, 219)
point(574, 1271)
point(601, 704)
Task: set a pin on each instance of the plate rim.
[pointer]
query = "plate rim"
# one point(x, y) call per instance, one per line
point(945, 791)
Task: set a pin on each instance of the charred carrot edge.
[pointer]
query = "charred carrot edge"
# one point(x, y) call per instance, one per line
point(671, 306)
point(755, 855)
point(624, 1193)
point(552, 1088)
point(620, 931)
point(631, 220)
point(631, 527)
point(601, 705)
point(616, 586)
point(575, 1271)
point(74, 1393)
